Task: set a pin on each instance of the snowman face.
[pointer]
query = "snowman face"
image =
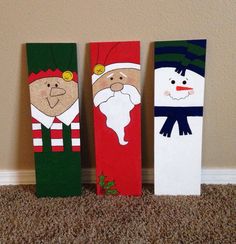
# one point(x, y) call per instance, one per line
point(173, 89)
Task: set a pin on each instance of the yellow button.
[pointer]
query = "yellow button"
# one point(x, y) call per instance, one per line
point(67, 75)
point(99, 69)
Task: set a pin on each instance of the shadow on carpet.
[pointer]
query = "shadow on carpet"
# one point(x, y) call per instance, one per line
point(209, 218)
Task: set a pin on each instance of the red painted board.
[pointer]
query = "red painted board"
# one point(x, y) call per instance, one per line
point(115, 68)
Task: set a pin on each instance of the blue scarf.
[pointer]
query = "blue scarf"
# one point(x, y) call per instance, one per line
point(178, 114)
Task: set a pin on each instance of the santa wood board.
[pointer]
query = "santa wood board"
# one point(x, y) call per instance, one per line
point(53, 85)
point(117, 126)
point(179, 95)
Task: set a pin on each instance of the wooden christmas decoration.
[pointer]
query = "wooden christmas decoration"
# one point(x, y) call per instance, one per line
point(53, 85)
point(117, 125)
point(179, 95)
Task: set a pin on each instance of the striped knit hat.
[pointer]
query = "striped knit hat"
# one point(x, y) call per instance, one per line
point(181, 55)
point(52, 60)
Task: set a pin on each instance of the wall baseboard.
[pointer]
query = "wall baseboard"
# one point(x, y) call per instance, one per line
point(27, 177)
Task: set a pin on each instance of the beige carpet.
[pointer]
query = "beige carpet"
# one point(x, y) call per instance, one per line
point(210, 218)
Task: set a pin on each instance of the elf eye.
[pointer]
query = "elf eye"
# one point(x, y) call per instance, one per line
point(184, 82)
point(173, 82)
point(48, 85)
point(121, 78)
point(56, 85)
point(111, 78)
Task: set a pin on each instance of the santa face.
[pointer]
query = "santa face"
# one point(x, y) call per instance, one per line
point(53, 95)
point(173, 89)
point(116, 93)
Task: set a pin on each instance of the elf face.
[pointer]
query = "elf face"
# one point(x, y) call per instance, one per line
point(53, 95)
point(116, 79)
point(173, 89)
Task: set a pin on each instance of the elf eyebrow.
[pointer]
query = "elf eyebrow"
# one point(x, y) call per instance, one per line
point(110, 75)
point(123, 74)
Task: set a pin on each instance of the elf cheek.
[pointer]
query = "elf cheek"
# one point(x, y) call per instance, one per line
point(43, 93)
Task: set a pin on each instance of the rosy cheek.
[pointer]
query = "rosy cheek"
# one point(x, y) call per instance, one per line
point(166, 93)
point(191, 92)
point(43, 93)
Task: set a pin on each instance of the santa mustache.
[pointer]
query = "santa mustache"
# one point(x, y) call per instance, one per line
point(105, 94)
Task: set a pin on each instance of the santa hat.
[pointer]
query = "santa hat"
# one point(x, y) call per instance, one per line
point(52, 60)
point(181, 55)
point(107, 56)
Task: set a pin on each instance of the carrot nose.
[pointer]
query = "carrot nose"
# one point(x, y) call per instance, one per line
point(183, 88)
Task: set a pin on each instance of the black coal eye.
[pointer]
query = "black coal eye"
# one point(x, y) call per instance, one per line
point(48, 85)
point(56, 85)
point(121, 78)
point(111, 78)
point(184, 82)
point(173, 82)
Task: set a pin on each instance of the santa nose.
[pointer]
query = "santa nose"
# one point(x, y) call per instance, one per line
point(183, 88)
point(55, 91)
point(117, 87)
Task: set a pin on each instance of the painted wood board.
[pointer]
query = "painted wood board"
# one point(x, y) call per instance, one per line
point(179, 97)
point(54, 103)
point(115, 70)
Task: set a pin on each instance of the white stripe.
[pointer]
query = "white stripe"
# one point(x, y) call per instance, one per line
point(56, 126)
point(75, 142)
point(57, 142)
point(110, 75)
point(36, 126)
point(116, 66)
point(37, 142)
point(75, 126)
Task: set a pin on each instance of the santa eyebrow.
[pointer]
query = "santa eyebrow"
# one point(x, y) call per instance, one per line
point(123, 74)
point(110, 75)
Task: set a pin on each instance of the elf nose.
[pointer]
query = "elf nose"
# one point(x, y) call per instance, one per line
point(117, 86)
point(183, 88)
point(56, 91)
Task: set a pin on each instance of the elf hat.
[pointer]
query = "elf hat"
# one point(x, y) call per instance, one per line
point(181, 55)
point(107, 56)
point(52, 60)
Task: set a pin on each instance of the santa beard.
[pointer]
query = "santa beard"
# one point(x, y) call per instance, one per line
point(116, 106)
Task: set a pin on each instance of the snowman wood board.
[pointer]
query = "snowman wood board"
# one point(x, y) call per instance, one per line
point(117, 116)
point(54, 102)
point(179, 97)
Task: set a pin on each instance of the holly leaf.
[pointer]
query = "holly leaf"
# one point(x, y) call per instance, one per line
point(109, 184)
point(101, 183)
point(111, 192)
point(102, 178)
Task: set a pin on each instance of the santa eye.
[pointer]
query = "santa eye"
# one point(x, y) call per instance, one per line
point(56, 85)
point(184, 82)
point(111, 78)
point(121, 78)
point(48, 85)
point(173, 82)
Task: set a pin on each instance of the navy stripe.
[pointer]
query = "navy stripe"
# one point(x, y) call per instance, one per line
point(162, 111)
point(166, 64)
point(196, 69)
point(166, 50)
point(201, 43)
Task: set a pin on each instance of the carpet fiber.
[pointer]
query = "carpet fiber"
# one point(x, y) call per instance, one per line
point(210, 218)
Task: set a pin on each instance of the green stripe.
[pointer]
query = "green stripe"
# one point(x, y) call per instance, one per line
point(67, 138)
point(195, 49)
point(46, 139)
point(174, 57)
point(199, 63)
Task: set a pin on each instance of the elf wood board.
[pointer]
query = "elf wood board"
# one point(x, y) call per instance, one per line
point(54, 102)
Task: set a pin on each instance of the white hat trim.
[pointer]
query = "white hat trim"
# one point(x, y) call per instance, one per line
point(111, 67)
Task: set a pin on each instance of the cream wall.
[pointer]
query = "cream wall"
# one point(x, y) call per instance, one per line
point(80, 21)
